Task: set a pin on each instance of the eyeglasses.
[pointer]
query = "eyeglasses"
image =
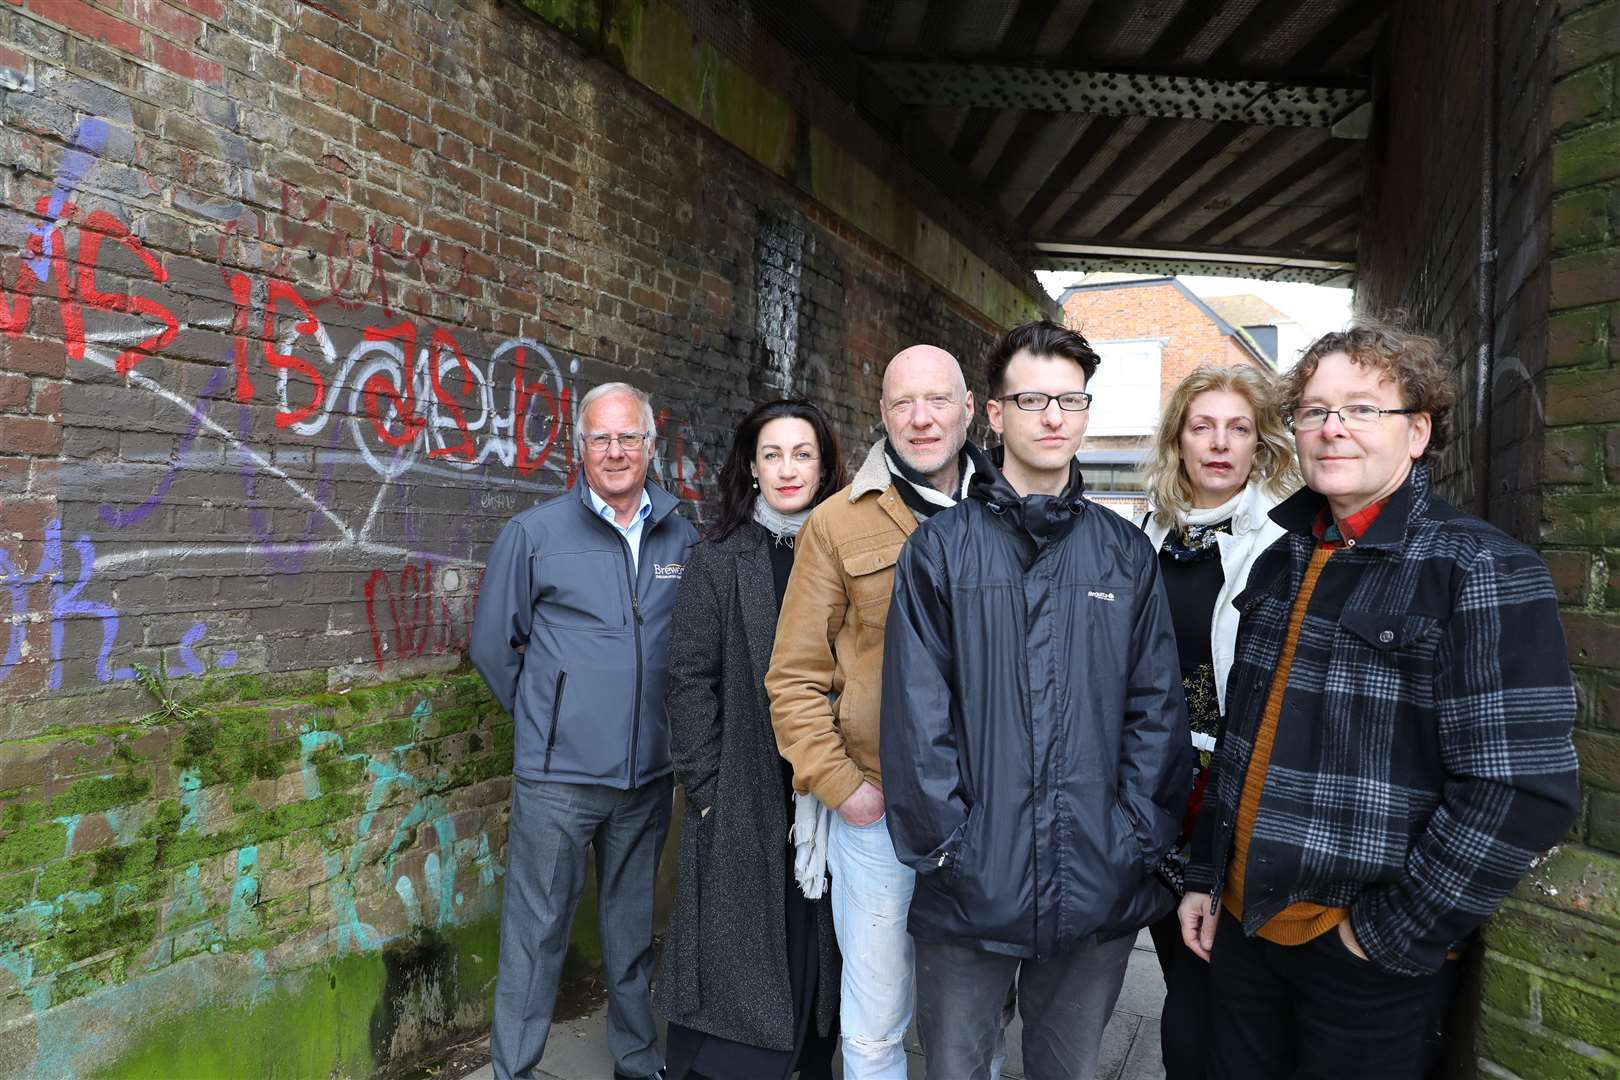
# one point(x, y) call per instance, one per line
point(629, 441)
point(1035, 401)
point(1355, 417)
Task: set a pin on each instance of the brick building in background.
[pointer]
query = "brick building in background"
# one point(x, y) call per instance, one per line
point(1150, 333)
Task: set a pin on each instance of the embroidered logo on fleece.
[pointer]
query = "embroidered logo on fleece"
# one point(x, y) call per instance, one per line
point(668, 571)
point(1095, 595)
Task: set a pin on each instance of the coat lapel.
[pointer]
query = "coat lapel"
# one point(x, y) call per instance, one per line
point(757, 589)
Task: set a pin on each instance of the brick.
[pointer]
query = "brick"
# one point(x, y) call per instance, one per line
point(1579, 518)
point(1587, 36)
point(1582, 397)
point(302, 49)
point(1581, 219)
point(1570, 457)
point(1532, 1052)
point(29, 435)
point(1603, 820)
point(186, 63)
point(1589, 278)
point(1571, 573)
point(39, 39)
point(1583, 97)
point(1586, 158)
point(92, 22)
point(184, 27)
point(14, 392)
point(1577, 337)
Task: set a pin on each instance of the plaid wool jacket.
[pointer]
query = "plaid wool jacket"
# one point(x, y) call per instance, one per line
point(1422, 758)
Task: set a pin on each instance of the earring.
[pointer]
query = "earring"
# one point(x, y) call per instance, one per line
point(756, 483)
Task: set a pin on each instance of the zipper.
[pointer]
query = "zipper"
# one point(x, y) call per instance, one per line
point(556, 714)
point(635, 608)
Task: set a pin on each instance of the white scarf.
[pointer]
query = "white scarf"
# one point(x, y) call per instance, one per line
point(811, 820)
point(1212, 516)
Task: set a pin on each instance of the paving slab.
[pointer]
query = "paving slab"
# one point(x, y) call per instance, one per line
point(577, 1049)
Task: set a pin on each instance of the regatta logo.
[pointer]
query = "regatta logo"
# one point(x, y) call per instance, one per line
point(1108, 596)
point(668, 571)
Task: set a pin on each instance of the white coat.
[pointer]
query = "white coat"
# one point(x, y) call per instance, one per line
point(1252, 532)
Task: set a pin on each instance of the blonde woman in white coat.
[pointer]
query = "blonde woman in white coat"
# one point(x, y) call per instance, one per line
point(1221, 460)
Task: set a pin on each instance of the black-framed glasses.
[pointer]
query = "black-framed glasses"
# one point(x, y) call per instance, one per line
point(1035, 401)
point(1356, 417)
point(629, 441)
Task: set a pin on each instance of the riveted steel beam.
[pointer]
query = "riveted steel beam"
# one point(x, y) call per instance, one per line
point(1095, 258)
point(1258, 102)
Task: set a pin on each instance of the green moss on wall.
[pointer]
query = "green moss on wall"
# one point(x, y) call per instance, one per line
point(32, 845)
point(100, 793)
point(346, 1014)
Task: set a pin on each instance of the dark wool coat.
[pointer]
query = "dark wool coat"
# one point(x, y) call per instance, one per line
point(725, 968)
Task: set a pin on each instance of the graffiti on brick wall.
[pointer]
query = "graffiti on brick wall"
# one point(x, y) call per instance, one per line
point(444, 428)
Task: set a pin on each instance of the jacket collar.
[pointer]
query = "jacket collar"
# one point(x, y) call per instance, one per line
point(1298, 512)
point(1043, 517)
point(873, 475)
point(663, 503)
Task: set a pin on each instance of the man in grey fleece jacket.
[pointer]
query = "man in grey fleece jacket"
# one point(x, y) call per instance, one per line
point(572, 636)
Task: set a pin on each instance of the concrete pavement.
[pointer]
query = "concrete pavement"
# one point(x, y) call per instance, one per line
point(578, 1050)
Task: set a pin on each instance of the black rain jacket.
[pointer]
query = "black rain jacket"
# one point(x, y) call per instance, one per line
point(1036, 761)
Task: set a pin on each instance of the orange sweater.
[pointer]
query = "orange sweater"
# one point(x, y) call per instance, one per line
point(1301, 922)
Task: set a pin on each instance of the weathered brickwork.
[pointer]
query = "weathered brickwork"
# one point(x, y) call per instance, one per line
point(1543, 995)
point(297, 302)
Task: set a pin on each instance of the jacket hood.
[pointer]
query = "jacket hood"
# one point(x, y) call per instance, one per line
point(1042, 516)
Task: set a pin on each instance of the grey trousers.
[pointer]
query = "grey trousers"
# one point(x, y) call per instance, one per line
point(1065, 1003)
point(551, 827)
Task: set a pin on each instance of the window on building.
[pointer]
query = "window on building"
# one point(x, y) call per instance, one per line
point(1125, 388)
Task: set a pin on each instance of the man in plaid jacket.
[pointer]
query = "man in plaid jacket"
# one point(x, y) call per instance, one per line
point(1397, 746)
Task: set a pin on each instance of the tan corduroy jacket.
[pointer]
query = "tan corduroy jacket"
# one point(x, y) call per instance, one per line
point(827, 667)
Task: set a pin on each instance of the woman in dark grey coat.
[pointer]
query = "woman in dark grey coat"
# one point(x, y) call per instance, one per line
point(749, 981)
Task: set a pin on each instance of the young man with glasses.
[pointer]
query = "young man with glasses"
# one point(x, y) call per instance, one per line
point(1033, 739)
point(1397, 746)
point(572, 636)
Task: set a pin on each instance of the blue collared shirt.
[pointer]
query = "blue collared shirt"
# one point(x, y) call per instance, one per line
point(630, 532)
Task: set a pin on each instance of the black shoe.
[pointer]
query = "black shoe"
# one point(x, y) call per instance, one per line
point(617, 1075)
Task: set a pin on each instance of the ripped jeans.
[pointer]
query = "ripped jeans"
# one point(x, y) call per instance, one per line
point(871, 894)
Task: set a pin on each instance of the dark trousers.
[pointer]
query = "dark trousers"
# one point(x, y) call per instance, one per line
point(552, 827)
point(1184, 1035)
point(1065, 1002)
point(1317, 1011)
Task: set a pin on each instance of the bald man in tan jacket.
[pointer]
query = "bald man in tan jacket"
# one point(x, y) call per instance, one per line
point(827, 670)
